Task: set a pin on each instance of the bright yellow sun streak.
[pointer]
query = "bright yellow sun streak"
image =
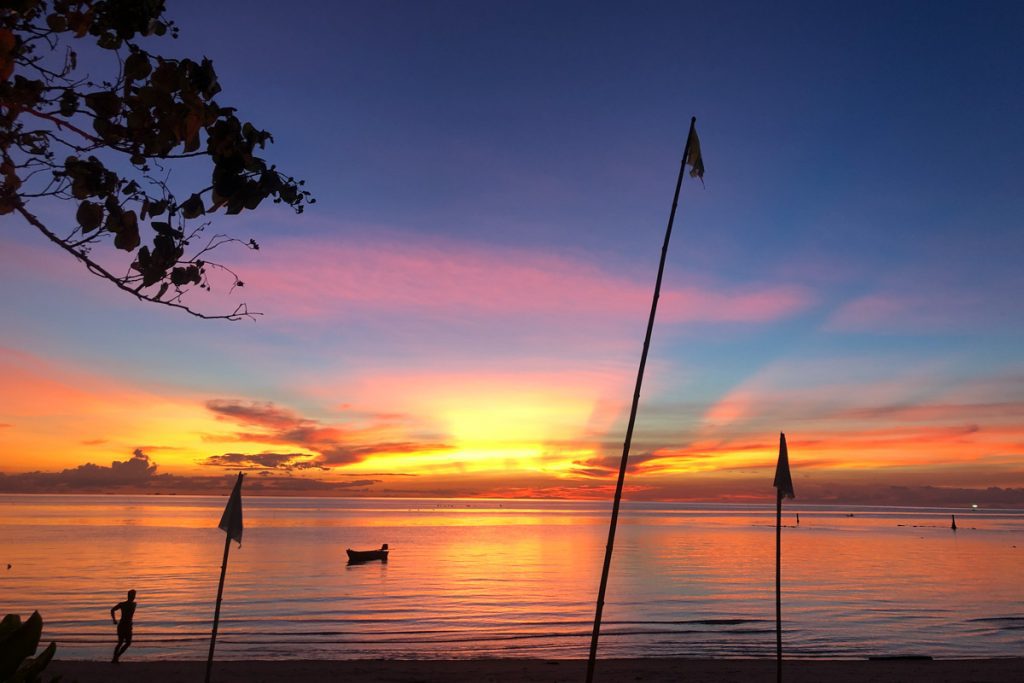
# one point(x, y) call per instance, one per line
point(496, 434)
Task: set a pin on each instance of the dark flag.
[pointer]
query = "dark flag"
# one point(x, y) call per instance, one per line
point(694, 158)
point(783, 480)
point(231, 520)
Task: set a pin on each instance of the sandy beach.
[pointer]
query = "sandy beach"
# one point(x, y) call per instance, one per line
point(551, 671)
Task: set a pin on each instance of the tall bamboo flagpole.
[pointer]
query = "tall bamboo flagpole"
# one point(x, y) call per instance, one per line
point(784, 485)
point(692, 156)
point(230, 522)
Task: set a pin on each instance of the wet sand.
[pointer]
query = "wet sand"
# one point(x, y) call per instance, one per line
point(550, 671)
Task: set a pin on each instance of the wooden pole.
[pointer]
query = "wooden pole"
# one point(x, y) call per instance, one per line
point(632, 415)
point(216, 611)
point(778, 588)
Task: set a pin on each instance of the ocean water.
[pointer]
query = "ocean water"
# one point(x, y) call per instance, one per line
point(482, 578)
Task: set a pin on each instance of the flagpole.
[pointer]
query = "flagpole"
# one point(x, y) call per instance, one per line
point(778, 586)
point(216, 611)
point(632, 413)
point(231, 524)
point(784, 488)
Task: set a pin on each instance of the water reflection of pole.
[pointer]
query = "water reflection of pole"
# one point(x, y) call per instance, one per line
point(691, 155)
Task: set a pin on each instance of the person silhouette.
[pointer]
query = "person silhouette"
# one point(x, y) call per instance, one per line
point(124, 627)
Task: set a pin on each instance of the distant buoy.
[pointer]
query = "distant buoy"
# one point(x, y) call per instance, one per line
point(953, 527)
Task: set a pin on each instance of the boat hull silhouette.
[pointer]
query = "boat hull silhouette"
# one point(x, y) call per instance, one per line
point(357, 556)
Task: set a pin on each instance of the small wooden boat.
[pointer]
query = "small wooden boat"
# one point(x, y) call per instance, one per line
point(355, 556)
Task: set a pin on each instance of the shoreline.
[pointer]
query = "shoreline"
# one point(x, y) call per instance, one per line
point(550, 671)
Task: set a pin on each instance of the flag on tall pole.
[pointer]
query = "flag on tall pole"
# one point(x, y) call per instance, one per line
point(784, 489)
point(694, 158)
point(231, 520)
point(231, 524)
point(691, 156)
point(783, 480)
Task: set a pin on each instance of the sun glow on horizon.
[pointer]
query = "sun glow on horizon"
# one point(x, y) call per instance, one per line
point(504, 434)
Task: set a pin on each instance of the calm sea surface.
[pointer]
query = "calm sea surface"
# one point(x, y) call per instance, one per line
point(481, 578)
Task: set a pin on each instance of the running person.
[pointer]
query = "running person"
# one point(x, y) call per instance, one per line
point(124, 627)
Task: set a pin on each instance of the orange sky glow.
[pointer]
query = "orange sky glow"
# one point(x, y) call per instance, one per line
point(500, 435)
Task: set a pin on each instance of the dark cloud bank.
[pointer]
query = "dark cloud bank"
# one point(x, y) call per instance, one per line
point(139, 474)
point(273, 476)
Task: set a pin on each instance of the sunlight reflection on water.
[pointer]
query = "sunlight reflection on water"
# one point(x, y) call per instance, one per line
point(512, 578)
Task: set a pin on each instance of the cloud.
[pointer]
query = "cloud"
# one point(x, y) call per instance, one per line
point(329, 445)
point(138, 474)
point(281, 461)
point(602, 467)
point(995, 452)
point(891, 312)
point(258, 414)
point(749, 304)
point(137, 471)
point(906, 308)
point(924, 412)
point(412, 276)
point(271, 485)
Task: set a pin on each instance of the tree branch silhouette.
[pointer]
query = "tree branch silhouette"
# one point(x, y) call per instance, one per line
point(153, 111)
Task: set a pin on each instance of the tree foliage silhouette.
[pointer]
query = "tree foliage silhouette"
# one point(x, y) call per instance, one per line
point(109, 146)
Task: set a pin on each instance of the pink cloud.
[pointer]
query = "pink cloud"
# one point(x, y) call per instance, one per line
point(310, 279)
point(748, 304)
point(916, 312)
point(313, 278)
point(866, 312)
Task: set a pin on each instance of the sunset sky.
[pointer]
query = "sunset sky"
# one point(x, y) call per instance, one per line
point(462, 311)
